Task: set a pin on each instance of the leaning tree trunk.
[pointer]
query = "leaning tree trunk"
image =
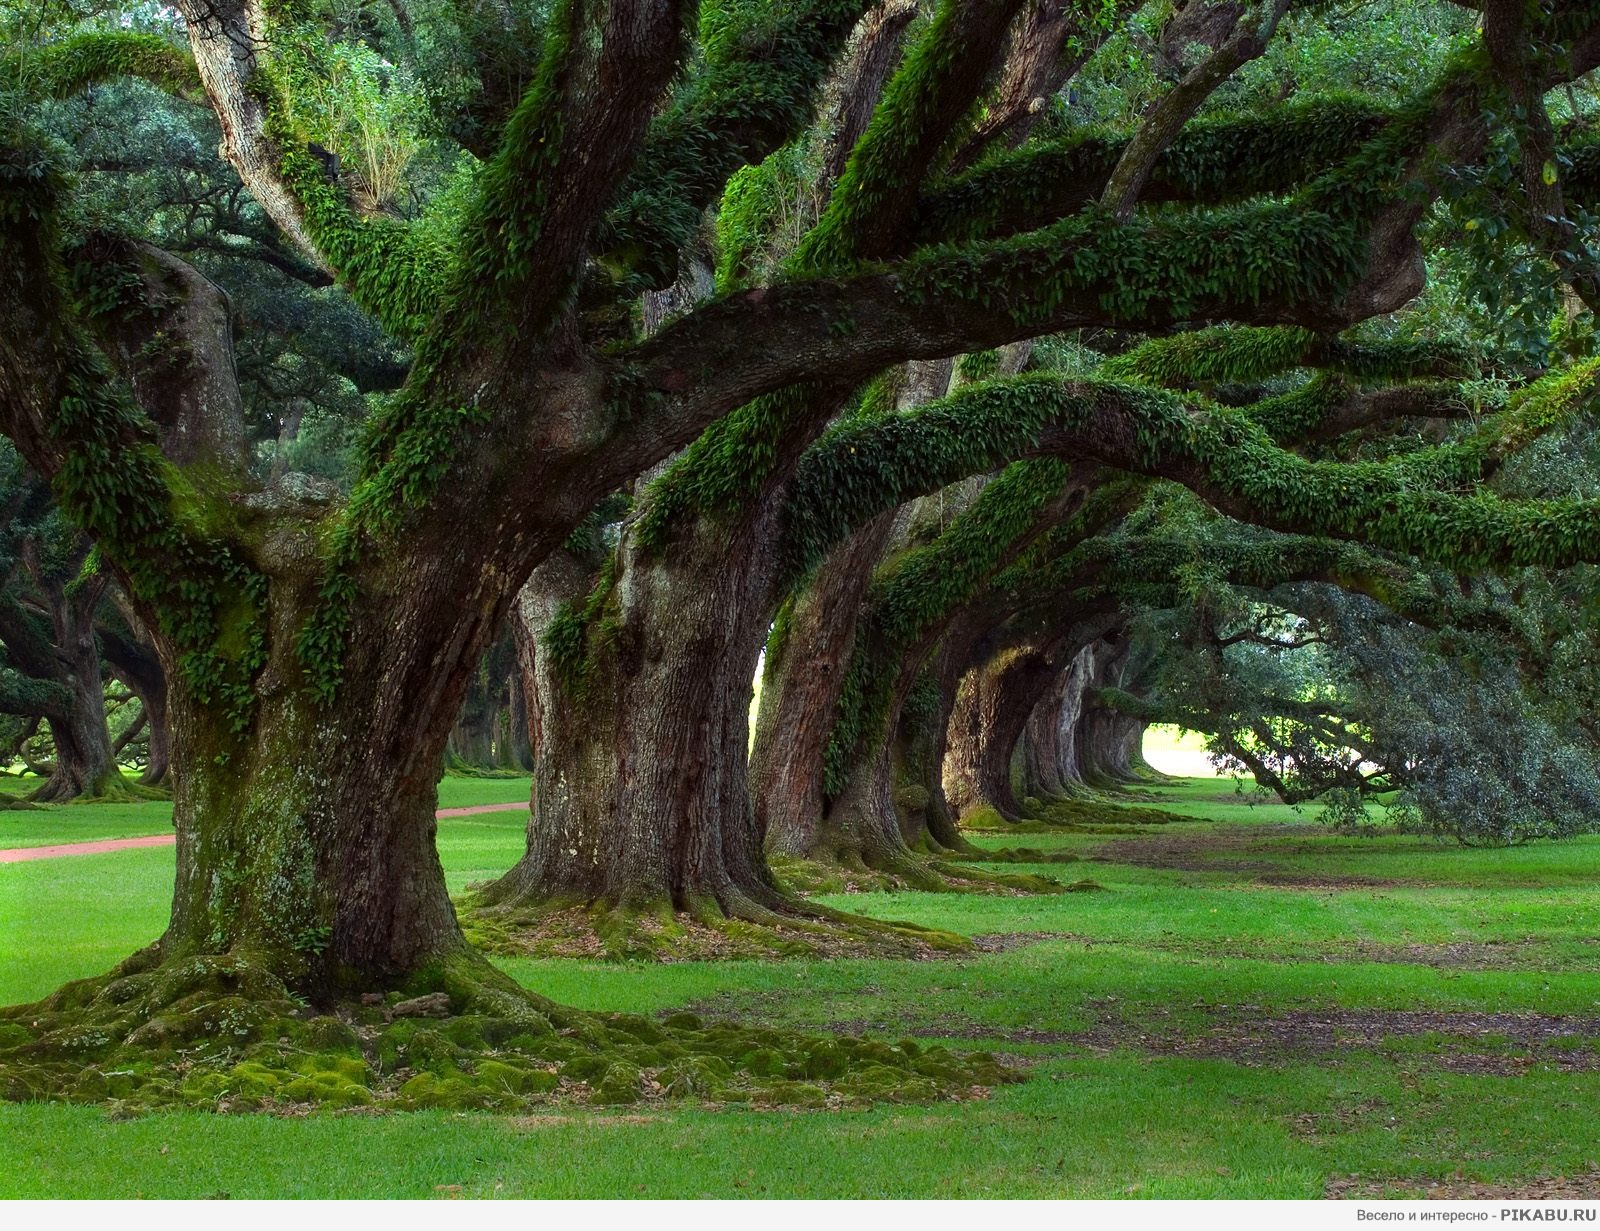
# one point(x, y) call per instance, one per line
point(889, 810)
point(809, 657)
point(804, 674)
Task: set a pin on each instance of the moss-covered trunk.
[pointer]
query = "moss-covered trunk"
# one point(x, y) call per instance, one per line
point(306, 826)
point(641, 801)
point(301, 845)
point(993, 706)
point(890, 809)
point(803, 677)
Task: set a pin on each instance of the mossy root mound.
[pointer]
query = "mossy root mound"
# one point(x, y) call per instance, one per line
point(1011, 854)
point(945, 872)
point(225, 1034)
point(1072, 816)
point(677, 936)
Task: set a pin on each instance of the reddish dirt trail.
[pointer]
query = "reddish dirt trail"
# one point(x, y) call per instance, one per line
point(23, 854)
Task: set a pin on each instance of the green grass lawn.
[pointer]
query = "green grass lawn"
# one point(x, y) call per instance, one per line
point(1251, 1008)
point(51, 824)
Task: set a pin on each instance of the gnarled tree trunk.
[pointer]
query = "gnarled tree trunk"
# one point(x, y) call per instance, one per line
point(640, 798)
point(85, 765)
point(1049, 758)
point(999, 695)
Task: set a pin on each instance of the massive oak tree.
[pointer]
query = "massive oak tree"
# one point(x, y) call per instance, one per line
point(318, 645)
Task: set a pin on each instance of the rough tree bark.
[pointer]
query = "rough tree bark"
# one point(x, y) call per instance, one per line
point(640, 800)
point(807, 658)
point(133, 660)
point(1049, 756)
point(1007, 679)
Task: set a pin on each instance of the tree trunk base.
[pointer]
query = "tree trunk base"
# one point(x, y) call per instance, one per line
point(227, 1033)
point(936, 870)
point(1095, 814)
point(115, 788)
point(775, 926)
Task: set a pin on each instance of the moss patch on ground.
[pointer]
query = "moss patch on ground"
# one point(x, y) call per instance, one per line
point(675, 936)
point(224, 1034)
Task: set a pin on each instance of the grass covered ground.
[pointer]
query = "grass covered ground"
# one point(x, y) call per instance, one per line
point(1253, 1007)
point(50, 824)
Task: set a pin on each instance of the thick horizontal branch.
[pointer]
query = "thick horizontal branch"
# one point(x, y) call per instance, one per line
point(1265, 265)
point(1245, 355)
point(1211, 161)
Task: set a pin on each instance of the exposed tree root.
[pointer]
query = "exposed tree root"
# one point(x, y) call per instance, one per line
point(764, 923)
point(225, 1033)
point(114, 789)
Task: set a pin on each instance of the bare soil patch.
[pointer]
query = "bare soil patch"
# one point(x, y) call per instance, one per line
point(1228, 849)
point(1459, 1188)
point(1493, 1044)
point(1487, 1043)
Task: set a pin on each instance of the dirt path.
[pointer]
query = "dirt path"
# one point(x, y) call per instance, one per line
point(25, 854)
point(1251, 850)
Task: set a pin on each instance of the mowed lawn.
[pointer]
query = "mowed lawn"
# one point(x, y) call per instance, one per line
point(1250, 1007)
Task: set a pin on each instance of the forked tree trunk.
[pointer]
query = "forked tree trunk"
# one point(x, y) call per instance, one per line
point(890, 807)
